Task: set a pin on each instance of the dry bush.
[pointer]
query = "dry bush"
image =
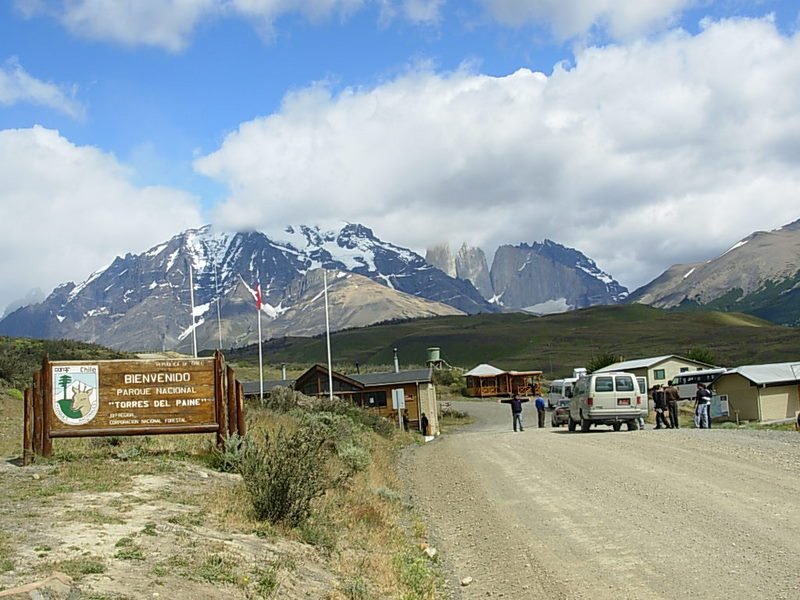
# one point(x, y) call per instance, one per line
point(284, 471)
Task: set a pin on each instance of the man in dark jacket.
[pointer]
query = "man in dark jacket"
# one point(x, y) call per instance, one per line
point(660, 401)
point(673, 396)
point(516, 409)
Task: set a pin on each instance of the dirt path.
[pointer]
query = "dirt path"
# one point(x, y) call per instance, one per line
point(652, 514)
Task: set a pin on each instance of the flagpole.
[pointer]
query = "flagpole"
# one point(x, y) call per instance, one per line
point(219, 319)
point(191, 298)
point(260, 360)
point(328, 333)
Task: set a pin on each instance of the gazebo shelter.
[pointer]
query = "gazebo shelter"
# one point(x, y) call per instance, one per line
point(485, 381)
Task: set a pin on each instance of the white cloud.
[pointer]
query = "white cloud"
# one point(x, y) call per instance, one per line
point(574, 18)
point(641, 155)
point(16, 85)
point(68, 210)
point(314, 9)
point(423, 11)
point(170, 24)
point(163, 23)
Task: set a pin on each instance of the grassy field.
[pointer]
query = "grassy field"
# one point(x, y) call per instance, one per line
point(553, 344)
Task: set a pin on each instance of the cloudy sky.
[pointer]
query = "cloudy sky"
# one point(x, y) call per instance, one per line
point(642, 132)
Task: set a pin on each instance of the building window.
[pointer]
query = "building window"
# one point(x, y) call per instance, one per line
point(374, 399)
point(684, 369)
point(659, 374)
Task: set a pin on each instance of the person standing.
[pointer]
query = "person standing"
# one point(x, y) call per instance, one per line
point(672, 396)
point(516, 409)
point(540, 409)
point(424, 424)
point(660, 402)
point(702, 402)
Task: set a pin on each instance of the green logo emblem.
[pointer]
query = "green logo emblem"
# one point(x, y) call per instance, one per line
point(75, 393)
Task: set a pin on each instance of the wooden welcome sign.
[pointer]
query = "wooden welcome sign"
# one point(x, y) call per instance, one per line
point(131, 397)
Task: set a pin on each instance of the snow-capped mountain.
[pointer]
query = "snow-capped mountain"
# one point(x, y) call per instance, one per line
point(144, 301)
point(542, 278)
point(758, 275)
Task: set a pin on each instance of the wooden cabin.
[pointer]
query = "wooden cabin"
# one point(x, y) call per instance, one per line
point(373, 391)
point(486, 381)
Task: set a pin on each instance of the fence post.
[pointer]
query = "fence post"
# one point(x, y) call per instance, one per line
point(27, 428)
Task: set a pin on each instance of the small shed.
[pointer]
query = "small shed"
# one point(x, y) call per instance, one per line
point(657, 369)
point(761, 393)
point(487, 381)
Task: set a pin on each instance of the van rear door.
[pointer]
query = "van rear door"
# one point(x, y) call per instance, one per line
point(614, 394)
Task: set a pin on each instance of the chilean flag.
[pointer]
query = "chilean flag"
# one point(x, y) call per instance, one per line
point(258, 294)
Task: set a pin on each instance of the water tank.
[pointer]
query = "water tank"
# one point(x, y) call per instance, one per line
point(433, 355)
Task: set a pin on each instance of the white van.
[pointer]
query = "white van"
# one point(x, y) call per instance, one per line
point(611, 398)
point(560, 391)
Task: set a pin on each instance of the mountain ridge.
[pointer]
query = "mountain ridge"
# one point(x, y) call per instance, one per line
point(759, 275)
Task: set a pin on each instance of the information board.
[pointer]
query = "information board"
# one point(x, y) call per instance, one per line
point(132, 394)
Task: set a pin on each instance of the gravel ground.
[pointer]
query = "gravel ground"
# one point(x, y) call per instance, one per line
point(649, 514)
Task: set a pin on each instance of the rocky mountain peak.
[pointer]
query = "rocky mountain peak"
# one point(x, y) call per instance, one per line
point(759, 275)
point(441, 257)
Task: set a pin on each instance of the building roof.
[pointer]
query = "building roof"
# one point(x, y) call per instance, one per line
point(253, 388)
point(393, 378)
point(769, 374)
point(484, 370)
point(646, 363)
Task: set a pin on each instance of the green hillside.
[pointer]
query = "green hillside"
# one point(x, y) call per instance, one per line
point(778, 302)
point(20, 357)
point(554, 344)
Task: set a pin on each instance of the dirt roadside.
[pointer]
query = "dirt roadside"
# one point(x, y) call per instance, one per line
point(673, 514)
point(156, 537)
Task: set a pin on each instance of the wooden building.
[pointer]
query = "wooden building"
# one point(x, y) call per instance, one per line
point(487, 381)
point(373, 391)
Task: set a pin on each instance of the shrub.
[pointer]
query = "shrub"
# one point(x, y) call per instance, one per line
point(286, 400)
point(227, 458)
point(355, 588)
point(448, 377)
point(285, 471)
point(355, 458)
point(282, 399)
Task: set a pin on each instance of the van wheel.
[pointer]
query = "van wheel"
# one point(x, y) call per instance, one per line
point(571, 424)
point(617, 426)
point(585, 424)
point(633, 425)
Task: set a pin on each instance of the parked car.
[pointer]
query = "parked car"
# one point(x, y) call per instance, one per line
point(560, 414)
point(605, 399)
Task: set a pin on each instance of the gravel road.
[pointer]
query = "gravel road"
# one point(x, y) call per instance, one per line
point(545, 513)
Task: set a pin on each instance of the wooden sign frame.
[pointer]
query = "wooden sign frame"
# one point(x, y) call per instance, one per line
point(131, 397)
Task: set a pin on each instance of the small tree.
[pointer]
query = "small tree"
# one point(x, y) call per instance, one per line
point(701, 355)
point(602, 360)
